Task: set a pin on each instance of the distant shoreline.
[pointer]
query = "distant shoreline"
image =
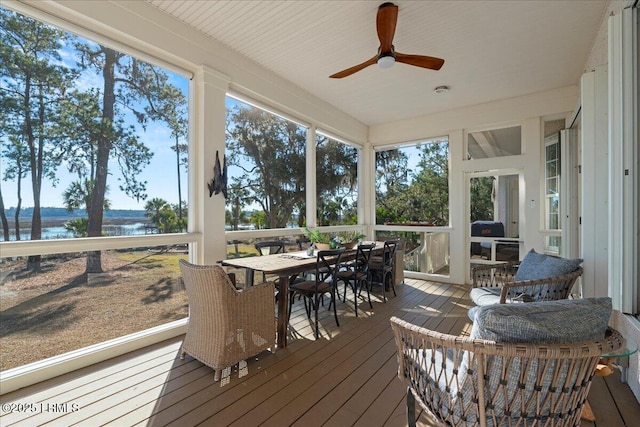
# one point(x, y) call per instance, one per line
point(57, 217)
point(59, 222)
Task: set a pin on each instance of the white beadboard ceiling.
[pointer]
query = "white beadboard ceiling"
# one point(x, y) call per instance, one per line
point(492, 49)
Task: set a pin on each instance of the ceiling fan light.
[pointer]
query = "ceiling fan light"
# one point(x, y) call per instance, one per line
point(386, 61)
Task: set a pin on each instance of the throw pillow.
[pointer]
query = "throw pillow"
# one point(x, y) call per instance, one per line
point(540, 266)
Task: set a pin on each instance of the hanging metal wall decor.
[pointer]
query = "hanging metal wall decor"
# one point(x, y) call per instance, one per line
point(218, 183)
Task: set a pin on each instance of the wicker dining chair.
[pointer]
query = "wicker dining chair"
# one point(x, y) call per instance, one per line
point(461, 381)
point(226, 325)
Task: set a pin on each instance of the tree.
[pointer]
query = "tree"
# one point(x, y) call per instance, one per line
point(481, 189)
point(164, 216)
point(78, 196)
point(144, 90)
point(270, 152)
point(428, 195)
point(5, 222)
point(420, 195)
point(171, 108)
point(77, 227)
point(336, 181)
point(15, 161)
point(391, 182)
point(275, 149)
point(33, 84)
point(238, 197)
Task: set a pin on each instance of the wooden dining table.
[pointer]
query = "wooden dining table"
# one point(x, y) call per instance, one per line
point(284, 265)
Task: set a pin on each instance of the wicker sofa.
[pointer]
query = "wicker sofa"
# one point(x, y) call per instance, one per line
point(524, 364)
point(226, 325)
point(536, 278)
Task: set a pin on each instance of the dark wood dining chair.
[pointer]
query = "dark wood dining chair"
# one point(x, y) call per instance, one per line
point(269, 247)
point(381, 268)
point(356, 275)
point(313, 290)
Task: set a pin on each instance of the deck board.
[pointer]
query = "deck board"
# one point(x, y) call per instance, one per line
point(347, 377)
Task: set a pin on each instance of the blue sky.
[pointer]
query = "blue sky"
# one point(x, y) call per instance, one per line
point(160, 174)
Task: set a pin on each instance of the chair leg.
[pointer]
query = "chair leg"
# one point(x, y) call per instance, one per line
point(384, 285)
point(344, 295)
point(216, 375)
point(411, 408)
point(307, 307)
point(355, 296)
point(391, 284)
point(316, 312)
point(335, 311)
point(367, 286)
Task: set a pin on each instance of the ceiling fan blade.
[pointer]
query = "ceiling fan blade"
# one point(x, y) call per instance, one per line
point(349, 71)
point(386, 25)
point(420, 61)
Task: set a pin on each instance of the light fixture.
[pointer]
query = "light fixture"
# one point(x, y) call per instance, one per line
point(441, 89)
point(386, 61)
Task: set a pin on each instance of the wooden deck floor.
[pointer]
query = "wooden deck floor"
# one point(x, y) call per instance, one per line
point(347, 377)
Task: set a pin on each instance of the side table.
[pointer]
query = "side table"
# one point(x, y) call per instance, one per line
point(608, 362)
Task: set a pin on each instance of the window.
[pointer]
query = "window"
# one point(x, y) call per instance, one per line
point(97, 165)
point(93, 144)
point(266, 169)
point(266, 162)
point(412, 192)
point(552, 192)
point(412, 184)
point(336, 182)
point(494, 143)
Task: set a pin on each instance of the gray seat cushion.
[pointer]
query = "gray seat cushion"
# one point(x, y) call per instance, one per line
point(562, 321)
point(540, 266)
point(485, 296)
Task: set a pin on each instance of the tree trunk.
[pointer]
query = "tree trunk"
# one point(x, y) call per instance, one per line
point(5, 222)
point(16, 218)
point(96, 209)
point(35, 160)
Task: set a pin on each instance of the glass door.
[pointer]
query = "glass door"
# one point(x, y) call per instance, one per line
point(494, 210)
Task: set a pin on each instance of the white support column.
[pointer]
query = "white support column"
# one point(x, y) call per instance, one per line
point(570, 216)
point(458, 210)
point(366, 181)
point(310, 179)
point(595, 193)
point(369, 187)
point(623, 161)
point(206, 214)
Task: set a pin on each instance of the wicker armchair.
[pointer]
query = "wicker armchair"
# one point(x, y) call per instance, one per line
point(495, 284)
point(226, 325)
point(465, 382)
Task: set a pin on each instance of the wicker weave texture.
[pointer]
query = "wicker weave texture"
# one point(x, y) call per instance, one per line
point(226, 325)
point(463, 382)
point(503, 275)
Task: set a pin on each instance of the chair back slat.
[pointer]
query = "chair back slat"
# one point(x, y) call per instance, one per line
point(328, 261)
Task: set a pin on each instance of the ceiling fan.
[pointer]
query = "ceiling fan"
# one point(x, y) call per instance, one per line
point(387, 56)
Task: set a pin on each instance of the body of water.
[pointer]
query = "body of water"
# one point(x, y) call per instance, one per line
point(59, 232)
